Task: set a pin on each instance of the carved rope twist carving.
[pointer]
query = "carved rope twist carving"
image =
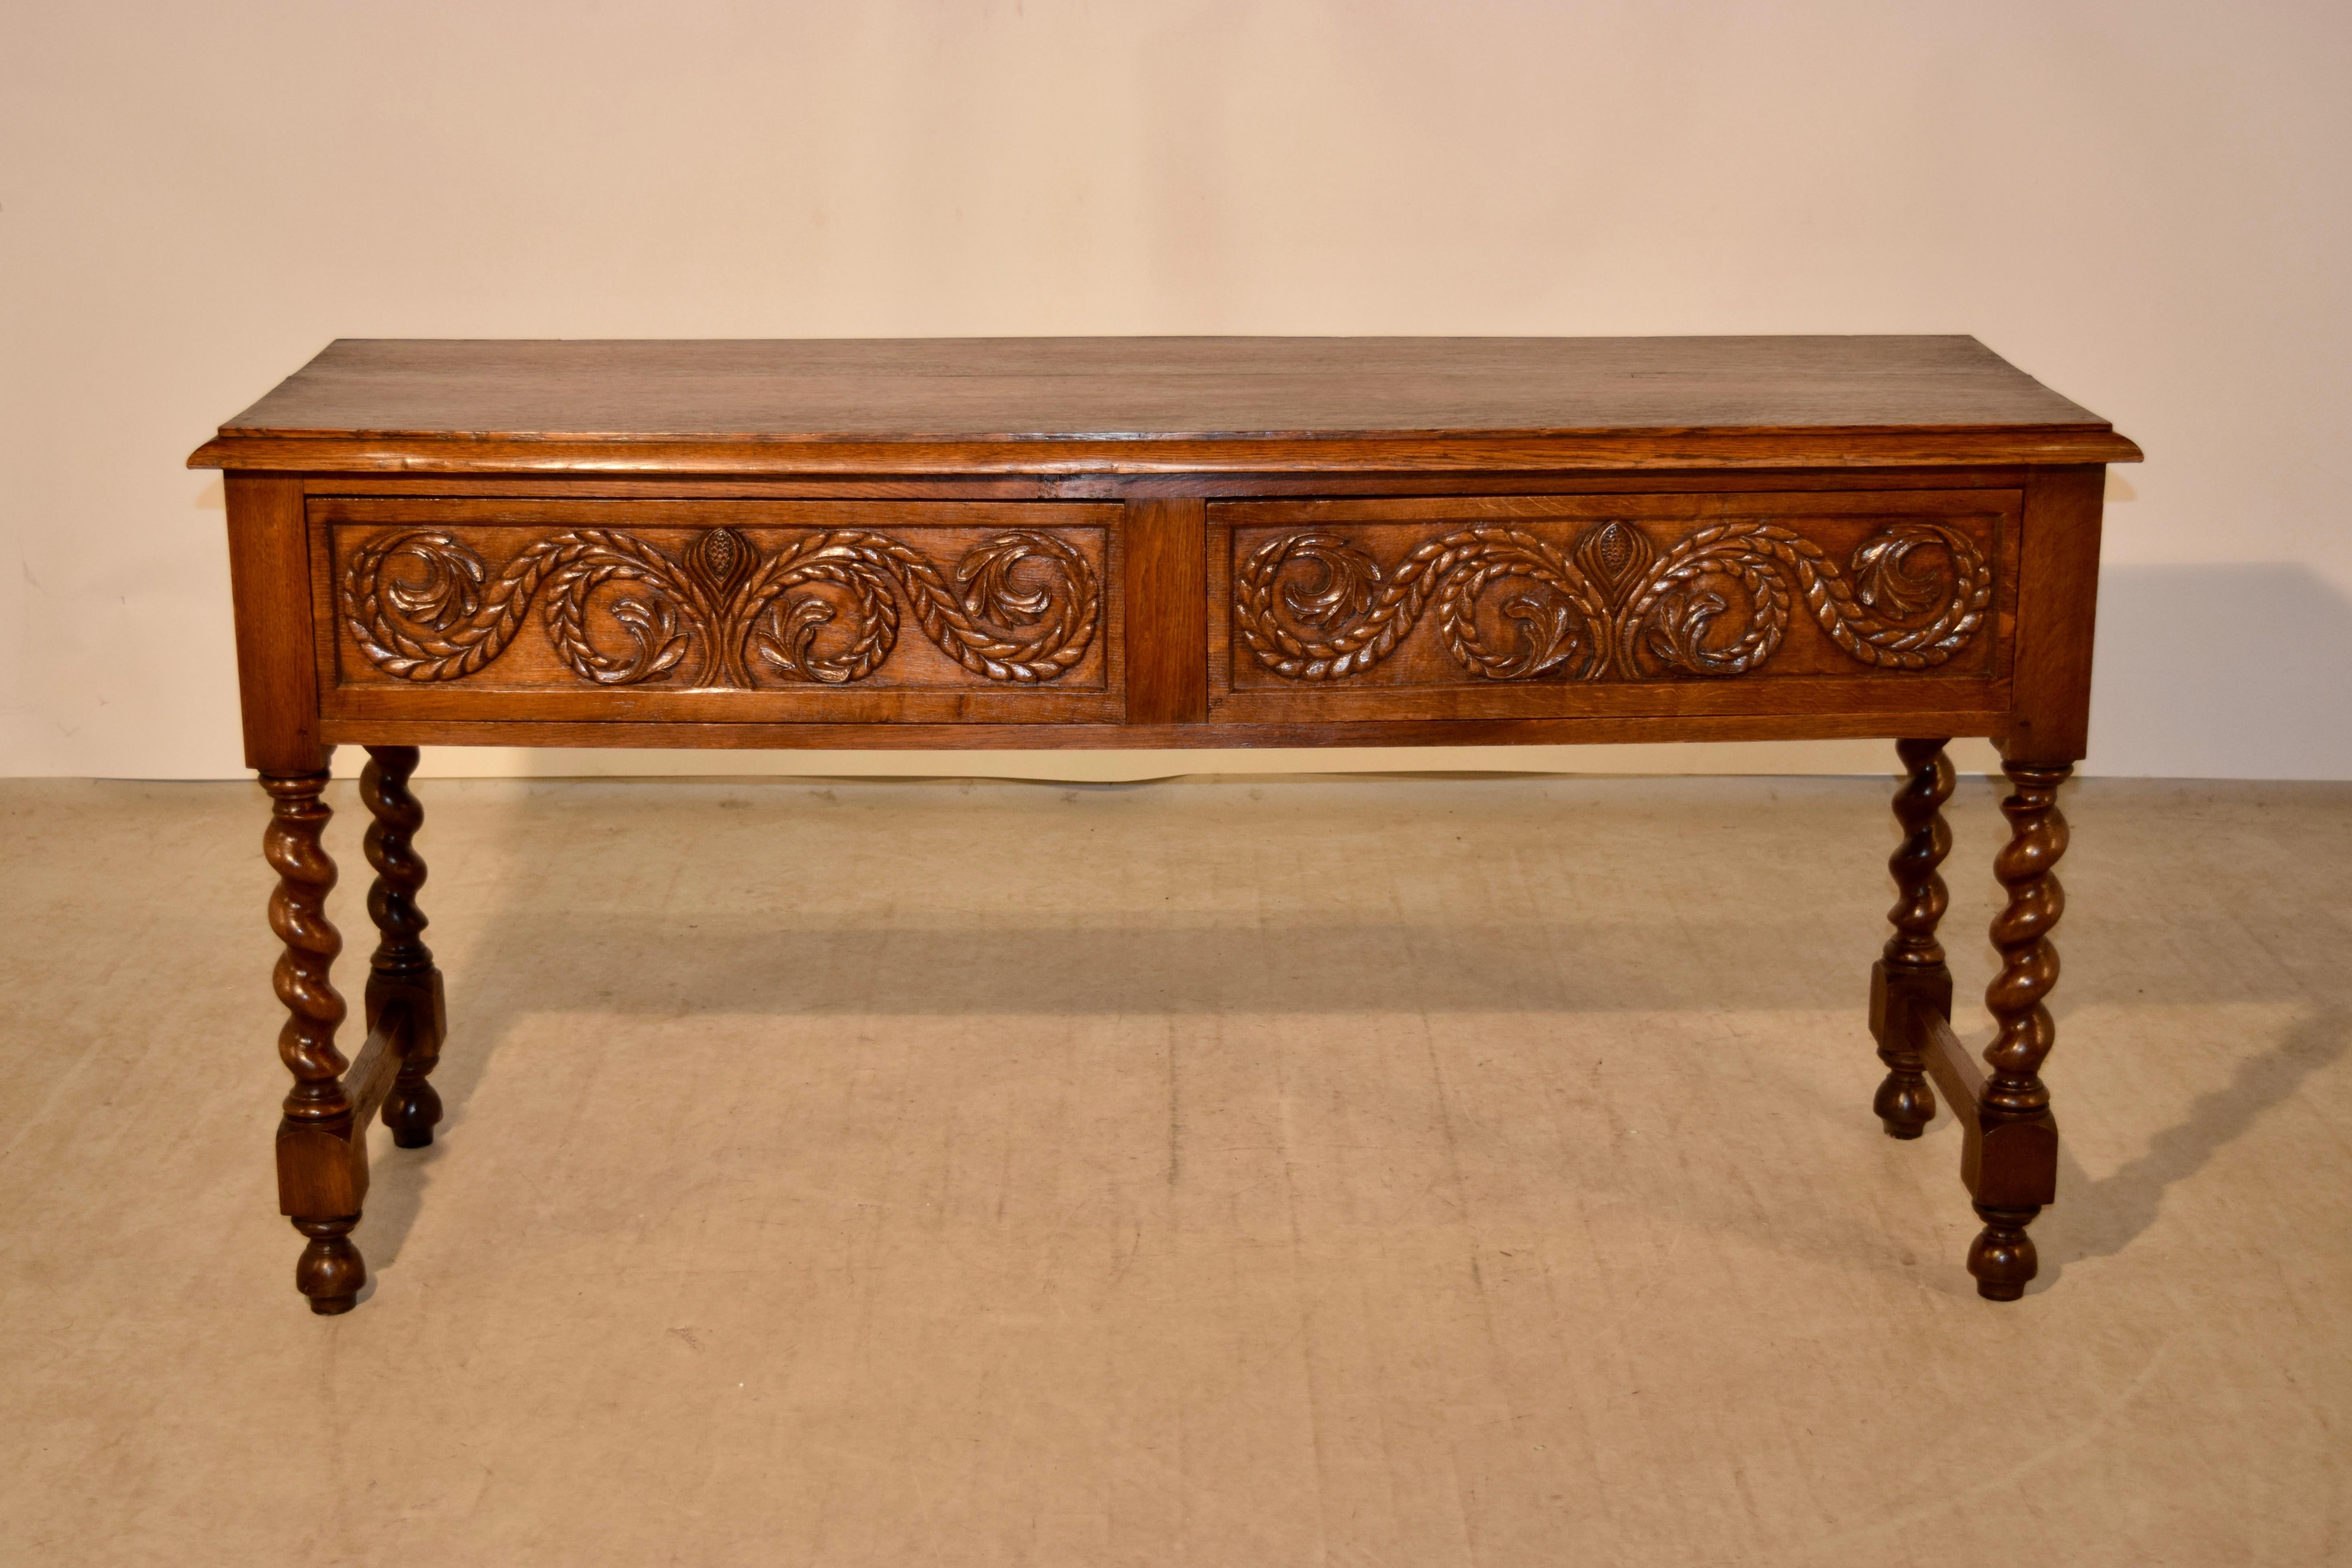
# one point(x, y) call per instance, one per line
point(391, 844)
point(450, 619)
point(1911, 976)
point(970, 626)
point(298, 914)
point(2029, 961)
point(1921, 896)
point(402, 968)
point(1612, 606)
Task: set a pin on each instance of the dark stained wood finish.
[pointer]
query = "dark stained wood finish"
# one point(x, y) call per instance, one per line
point(1515, 540)
point(367, 1082)
point(608, 610)
point(1157, 405)
point(1167, 587)
point(2008, 1164)
point(1524, 606)
point(322, 1156)
point(1912, 973)
point(269, 565)
point(2002, 1259)
point(2057, 603)
point(1235, 485)
point(405, 999)
point(1367, 454)
point(2027, 867)
point(1827, 724)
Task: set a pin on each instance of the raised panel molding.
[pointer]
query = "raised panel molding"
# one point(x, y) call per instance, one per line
point(1511, 607)
point(1614, 606)
point(711, 604)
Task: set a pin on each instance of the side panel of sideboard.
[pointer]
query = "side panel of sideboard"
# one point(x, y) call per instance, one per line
point(269, 578)
point(2050, 719)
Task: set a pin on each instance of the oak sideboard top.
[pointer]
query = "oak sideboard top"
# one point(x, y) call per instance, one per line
point(1141, 405)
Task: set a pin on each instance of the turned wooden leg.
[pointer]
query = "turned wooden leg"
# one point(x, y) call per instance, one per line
point(2015, 1096)
point(322, 1166)
point(1911, 972)
point(331, 1270)
point(404, 989)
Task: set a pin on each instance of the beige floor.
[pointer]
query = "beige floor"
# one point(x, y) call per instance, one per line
point(1393, 1171)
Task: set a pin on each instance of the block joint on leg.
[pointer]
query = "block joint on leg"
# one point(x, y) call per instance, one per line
point(2015, 1174)
point(321, 1165)
point(1911, 973)
point(403, 988)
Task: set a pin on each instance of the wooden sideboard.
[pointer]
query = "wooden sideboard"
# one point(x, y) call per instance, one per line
point(1162, 542)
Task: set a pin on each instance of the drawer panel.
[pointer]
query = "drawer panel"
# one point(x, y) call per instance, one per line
point(849, 611)
point(1562, 607)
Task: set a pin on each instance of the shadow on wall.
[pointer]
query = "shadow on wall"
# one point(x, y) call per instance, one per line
point(2220, 671)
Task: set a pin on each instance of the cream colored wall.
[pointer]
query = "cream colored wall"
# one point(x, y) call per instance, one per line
point(2143, 204)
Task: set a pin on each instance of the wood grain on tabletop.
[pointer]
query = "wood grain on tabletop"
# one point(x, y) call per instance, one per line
point(983, 389)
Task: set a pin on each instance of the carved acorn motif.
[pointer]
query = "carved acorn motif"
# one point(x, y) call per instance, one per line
point(717, 560)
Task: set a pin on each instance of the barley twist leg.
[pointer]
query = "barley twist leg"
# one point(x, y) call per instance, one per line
point(2003, 1258)
point(1911, 972)
point(404, 989)
point(320, 1179)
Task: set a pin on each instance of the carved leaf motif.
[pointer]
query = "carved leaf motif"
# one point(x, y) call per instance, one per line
point(786, 638)
point(985, 577)
point(1548, 637)
point(653, 622)
point(1883, 579)
point(451, 588)
point(1024, 608)
point(673, 615)
point(1345, 589)
point(1670, 614)
point(438, 627)
point(1676, 631)
point(1718, 603)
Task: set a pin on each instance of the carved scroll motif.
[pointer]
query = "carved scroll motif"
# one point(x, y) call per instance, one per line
point(1312, 606)
point(1020, 608)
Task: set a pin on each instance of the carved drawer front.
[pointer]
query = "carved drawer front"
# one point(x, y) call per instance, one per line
point(713, 611)
point(1558, 606)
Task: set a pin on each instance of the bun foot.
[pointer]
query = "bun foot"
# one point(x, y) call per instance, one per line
point(330, 1270)
point(403, 973)
point(1911, 976)
point(1905, 1104)
point(411, 1112)
point(2003, 1257)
